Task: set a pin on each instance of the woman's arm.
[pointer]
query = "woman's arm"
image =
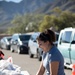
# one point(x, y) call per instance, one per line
point(41, 70)
point(54, 68)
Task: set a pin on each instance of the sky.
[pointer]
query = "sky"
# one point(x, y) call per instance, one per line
point(13, 0)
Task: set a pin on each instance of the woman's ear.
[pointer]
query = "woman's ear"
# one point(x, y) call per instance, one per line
point(47, 42)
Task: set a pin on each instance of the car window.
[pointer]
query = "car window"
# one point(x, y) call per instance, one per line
point(73, 41)
point(57, 35)
point(66, 37)
point(8, 39)
point(34, 36)
point(14, 37)
point(74, 37)
point(24, 37)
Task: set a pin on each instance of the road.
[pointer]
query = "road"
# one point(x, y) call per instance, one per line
point(26, 63)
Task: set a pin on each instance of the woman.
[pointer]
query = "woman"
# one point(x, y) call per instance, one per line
point(52, 59)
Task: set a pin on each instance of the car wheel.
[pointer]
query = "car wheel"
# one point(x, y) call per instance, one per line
point(30, 54)
point(7, 48)
point(39, 56)
point(11, 49)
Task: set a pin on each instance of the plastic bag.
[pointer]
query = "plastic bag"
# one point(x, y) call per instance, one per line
point(8, 68)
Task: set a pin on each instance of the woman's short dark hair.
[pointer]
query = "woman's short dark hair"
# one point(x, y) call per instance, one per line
point(47, 35)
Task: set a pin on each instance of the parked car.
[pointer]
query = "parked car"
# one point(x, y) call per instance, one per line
point(19, 43)
point(66, 45)
point(33, 45)
point(5, 42)
point(40, 52)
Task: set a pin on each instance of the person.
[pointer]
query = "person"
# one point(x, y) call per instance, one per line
point(52, 60)
point(1, 55)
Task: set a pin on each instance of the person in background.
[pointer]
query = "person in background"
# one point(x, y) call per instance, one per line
point(1, 55)
point(52, 60)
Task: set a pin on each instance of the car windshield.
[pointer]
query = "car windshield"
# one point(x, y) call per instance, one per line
point(8, 39)
point(24, 37)
point(36, 35)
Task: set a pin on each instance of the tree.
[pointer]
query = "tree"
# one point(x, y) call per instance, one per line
point(49, 21)
point(29, 22)
point(67, 19)
point(45, 23)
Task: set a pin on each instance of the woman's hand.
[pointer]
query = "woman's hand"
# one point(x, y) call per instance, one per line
point(41, 70)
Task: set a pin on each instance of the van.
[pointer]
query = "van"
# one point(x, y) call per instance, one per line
point(66, 45)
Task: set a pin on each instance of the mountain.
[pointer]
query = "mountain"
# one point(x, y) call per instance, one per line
point(63, 5)
point(9, 9)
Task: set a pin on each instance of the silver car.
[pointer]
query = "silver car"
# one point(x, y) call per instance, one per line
point(5, 42)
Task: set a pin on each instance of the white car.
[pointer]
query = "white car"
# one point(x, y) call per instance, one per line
point(33, 45)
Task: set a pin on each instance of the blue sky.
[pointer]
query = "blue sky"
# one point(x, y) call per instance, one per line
point(13, 0)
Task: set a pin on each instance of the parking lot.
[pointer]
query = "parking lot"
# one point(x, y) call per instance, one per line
point(27, 63)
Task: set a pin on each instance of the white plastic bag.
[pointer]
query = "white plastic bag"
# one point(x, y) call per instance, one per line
point(25, 73)
point(8, 68)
